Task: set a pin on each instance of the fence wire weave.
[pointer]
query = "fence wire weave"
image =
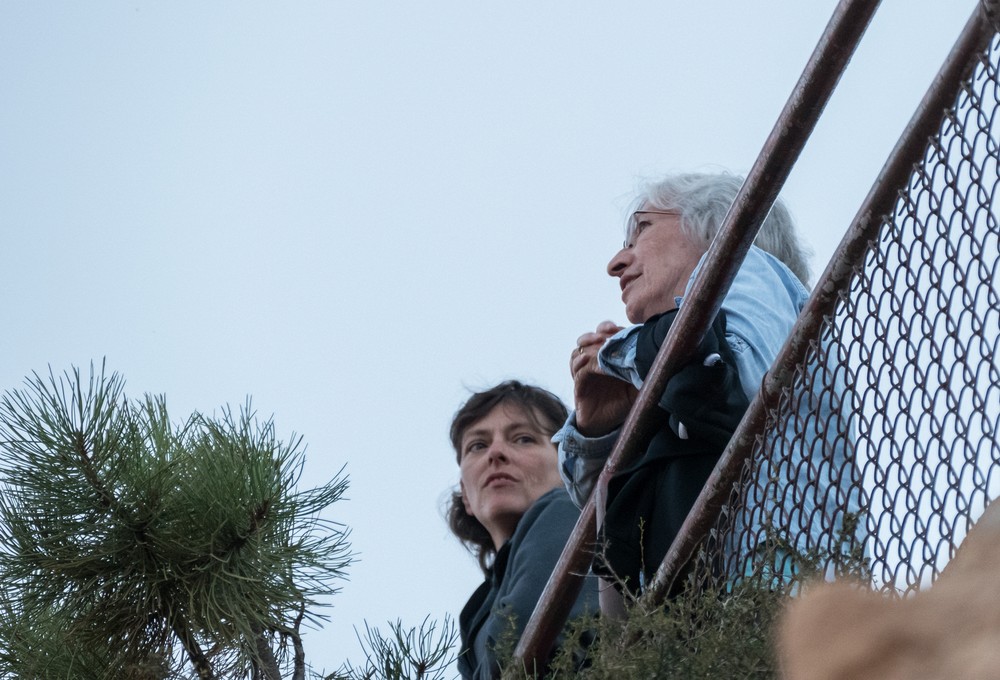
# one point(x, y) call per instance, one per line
point(885, 449)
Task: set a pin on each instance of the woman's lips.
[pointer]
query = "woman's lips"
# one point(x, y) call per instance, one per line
point(625, 282)
point(498, 478)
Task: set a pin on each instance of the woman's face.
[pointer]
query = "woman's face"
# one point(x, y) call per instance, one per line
point(507, 464)
point(654, 266)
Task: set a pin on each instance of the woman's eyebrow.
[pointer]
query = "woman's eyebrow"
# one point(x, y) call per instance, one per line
point(485, 432)
point(525, 425)
point(470, 434)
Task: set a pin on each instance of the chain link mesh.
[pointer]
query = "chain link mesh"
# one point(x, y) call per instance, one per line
point(884, 451)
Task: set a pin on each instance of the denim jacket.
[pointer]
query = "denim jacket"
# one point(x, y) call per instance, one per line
point(761, 308)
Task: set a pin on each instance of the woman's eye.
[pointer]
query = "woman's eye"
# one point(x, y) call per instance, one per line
point(633, 234)
point(525, 439)
point(474, 447)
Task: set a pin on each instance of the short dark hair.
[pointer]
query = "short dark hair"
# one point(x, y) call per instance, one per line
point(545, 410)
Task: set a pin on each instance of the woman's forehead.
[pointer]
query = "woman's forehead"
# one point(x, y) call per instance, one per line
point(505, 413)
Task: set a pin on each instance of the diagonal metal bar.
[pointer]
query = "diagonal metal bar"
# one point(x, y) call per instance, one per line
point(751, 205)
point(822, 302)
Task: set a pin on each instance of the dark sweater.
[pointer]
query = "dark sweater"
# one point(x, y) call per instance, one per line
point(649, 500)
point(500, 608)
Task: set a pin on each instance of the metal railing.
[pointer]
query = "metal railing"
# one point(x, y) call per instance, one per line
point(864, 355)
point(888, 390)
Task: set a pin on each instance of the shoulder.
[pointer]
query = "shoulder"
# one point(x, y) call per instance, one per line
point(761, 307)
point(764, 268)
point(764, 292)
point(762, 274)
point(552, 516)
point(552, 504)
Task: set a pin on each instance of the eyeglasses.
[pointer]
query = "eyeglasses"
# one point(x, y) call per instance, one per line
point(637, 225)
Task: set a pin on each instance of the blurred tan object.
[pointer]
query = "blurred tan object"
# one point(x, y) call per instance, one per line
point(838, 631)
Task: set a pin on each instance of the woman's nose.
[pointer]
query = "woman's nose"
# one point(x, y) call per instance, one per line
point(497, 452)
point(618, 263)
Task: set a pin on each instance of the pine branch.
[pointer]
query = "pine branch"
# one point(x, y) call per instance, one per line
point(300, 654)
point(404, 654)
point(106, 498)
point(197, 657)
point(265, 661)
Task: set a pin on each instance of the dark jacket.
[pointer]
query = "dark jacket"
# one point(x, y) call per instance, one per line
point(500, 608)
point(649, 500)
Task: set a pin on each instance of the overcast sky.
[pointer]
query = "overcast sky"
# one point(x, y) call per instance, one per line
point(356, 212)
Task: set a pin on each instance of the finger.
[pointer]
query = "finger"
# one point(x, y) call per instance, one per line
point(608, 328)
point(591, 339)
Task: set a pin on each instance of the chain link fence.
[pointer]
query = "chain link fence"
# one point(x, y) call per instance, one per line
point(885, 451)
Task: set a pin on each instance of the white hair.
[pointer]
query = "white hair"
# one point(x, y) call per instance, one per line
point(702, 200)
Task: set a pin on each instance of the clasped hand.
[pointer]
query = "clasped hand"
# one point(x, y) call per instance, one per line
point(602, 401)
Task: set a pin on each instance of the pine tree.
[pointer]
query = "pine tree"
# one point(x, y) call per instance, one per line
point(131, 547)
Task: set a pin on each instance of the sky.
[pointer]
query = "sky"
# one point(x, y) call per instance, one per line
point(359, 212)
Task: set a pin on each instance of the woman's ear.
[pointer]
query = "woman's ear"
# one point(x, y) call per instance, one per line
point(465, 501)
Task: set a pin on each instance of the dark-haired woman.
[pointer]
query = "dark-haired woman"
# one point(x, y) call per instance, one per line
point(512, 512)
